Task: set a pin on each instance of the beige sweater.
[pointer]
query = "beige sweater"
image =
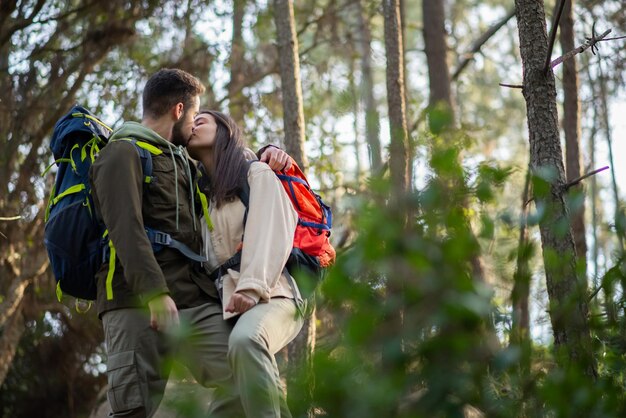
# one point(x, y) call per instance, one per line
point(268, 239)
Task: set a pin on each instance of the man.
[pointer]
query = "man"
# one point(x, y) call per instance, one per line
point(142, 294)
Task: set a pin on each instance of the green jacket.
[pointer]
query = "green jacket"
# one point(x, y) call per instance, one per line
point(126, 204)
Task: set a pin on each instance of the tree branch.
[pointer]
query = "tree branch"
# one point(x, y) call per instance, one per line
point(555, 25)
point(316, 20)
point(512, 86)
point(588, 44)
point(20, 24)
point(14, 297)
point(595, 292)
point(584, 176)
point(478, 43)
point(574, 182)
point(612, 39)
point(30, 20)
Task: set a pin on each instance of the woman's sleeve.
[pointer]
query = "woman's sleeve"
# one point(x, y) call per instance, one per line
point(268, 235)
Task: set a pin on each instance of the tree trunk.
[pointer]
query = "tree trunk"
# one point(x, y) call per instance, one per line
point(301, 349)
point(440, 98)
point(293, 111)
point(398, 147)
point(571, 128)
point(392, 357)
point(12, 331)
point(521, 288)
point(358, 170)
point(235, 95)
point(411, 152)
point(594, 196)
point(566, 290)
point(300, 356)
point(520, 296)
point(372, 122)
point(610, 288)
point(12, 324)
point(433, 13)
point(604, 98)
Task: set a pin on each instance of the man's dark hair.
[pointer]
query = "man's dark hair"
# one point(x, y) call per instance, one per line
point(167, 87)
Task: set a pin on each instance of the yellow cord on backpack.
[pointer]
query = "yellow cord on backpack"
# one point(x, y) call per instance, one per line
point(59, 291)
point(109, 281)
point(205, 207)
point(70, 190)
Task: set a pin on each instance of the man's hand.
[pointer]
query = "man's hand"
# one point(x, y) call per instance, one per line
point(163, 313)
point(240, 303)
point(276, 158)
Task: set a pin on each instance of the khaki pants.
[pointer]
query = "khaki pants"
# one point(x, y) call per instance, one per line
point(138, 359)
point(258, 335)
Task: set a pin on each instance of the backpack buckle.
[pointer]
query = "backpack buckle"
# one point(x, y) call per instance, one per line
point(162, 238)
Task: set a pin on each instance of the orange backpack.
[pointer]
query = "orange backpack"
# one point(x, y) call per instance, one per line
point(312, 249)
point(314, 217)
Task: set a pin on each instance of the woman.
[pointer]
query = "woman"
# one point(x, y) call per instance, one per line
point(258, 293)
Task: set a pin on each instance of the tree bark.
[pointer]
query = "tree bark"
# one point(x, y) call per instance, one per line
point(12, 324)
point(433, 12)
point(392, 358)
point(606, 121)
point(12, 331)
point(566, 290)
point(300, 357)
point(521, 287)
point(293, 111)
point(571, 128)
point(411, 145)
point(372, 120)
point(594, 199)
point(604, 106)
point(301, 349)
point(235, 95)
point(440, 98)
point(358, 169)
point(608, 288)
point(398, 155)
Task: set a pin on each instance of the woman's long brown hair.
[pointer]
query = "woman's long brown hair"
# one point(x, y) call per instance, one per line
point(230, 168)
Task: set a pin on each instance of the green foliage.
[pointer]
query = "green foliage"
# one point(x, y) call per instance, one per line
point(410, 314)
point(416, 334)
point(440, 118)
point(489, 177)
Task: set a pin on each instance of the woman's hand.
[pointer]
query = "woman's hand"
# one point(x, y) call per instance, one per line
point(276, 158)
point(240, 303)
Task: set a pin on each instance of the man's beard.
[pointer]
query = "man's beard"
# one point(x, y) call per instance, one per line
point(178, 138)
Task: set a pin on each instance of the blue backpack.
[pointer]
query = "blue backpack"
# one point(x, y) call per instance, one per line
point(73, 236)
point(76, 240)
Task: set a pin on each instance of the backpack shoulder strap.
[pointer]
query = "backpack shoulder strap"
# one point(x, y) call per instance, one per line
point(244, 192)
point(145, 151)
